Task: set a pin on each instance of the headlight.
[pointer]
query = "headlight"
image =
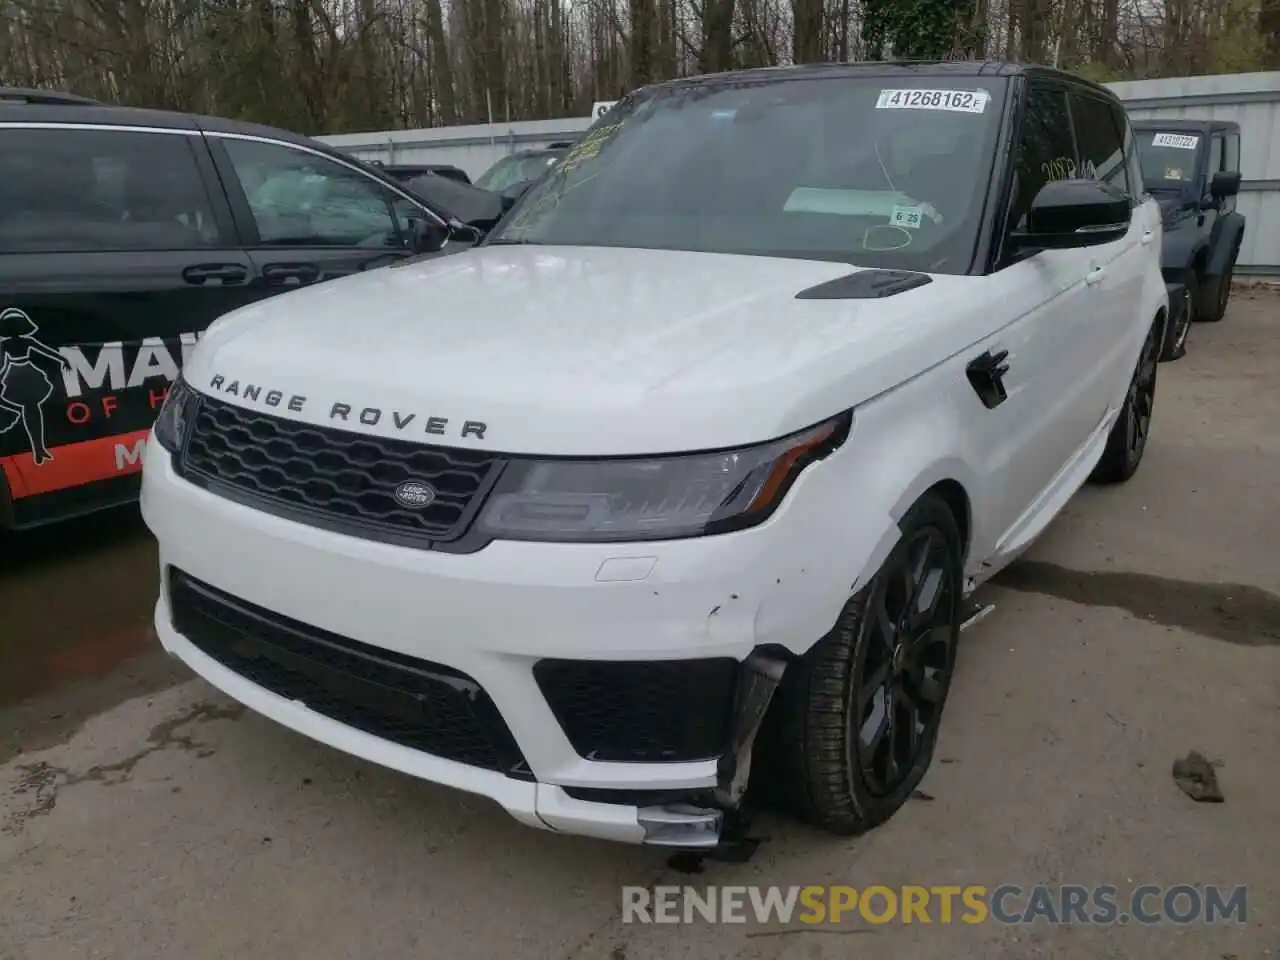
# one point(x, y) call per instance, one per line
point(653, 498)
point(175, 415)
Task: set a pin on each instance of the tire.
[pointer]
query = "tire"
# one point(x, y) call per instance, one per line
point(816, 767)
point(1175, 345)
point(1215, 307)
point(1128, 438)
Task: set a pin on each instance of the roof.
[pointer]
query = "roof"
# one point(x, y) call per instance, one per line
point(80, 111)
point(1184, 123)
point(894, 68)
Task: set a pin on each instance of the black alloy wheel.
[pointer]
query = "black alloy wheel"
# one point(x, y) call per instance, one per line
point(905, 663)
point(852, 728)
point(1140, 401)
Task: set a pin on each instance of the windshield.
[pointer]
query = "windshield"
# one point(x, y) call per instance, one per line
point(875, 171)
point(1168, 159)
point(512, 170)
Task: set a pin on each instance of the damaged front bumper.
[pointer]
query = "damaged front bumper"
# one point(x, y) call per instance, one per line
point(692, 818)
point(606, 690)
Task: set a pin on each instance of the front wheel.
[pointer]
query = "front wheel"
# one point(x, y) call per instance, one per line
point(1128, 438)
point(856, 718)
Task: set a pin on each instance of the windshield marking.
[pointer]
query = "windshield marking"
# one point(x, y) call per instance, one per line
point(955, 101)
point(809, 169)
point(1182, 141)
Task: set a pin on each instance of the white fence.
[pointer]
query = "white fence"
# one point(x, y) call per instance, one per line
point(1253, 101)
point(474, 148)
point(1250, 99)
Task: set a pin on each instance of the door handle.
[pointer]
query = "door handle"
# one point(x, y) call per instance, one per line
point(1095, 276)
point(284, 272)
point(1148, 237)
point(986, 376)
point(227, 273)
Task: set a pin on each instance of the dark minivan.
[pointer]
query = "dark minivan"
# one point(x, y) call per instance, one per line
point(123, 234)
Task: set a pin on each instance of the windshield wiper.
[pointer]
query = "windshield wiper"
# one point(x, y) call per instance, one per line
point(511, 242)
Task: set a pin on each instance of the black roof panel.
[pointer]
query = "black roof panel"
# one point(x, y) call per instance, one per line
point(97, 114)
point(896, 68)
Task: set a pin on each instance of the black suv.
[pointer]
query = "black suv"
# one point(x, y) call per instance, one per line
point(404, 172)
point(1193, 168)
point(123, 234)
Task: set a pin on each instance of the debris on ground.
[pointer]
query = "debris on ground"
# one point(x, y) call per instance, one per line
point(1195, 777)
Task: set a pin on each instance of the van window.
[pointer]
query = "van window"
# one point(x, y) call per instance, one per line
point(299, 199)
point(101, 190)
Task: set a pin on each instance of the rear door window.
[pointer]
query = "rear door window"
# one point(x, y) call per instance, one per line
point(77, 190)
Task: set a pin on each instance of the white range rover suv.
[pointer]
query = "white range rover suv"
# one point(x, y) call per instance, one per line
point(713, 436)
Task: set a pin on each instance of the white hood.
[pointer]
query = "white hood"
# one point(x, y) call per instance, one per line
point(580, 351)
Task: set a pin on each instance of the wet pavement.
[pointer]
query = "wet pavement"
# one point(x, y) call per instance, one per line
point(75, 625)
point(144, 815)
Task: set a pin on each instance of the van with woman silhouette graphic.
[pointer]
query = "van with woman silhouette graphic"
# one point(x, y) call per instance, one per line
point(24, 385)
point(123, 234)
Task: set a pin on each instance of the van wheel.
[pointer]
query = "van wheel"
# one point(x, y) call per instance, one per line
point(857, 717)
point(1128, 438)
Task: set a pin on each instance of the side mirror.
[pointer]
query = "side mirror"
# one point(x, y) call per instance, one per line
point(513, 193)
point(1066, 214)
point(429, 236)
point(1225, 183)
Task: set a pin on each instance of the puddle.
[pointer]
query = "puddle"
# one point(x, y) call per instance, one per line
point(75, 602)
point(1234, 612)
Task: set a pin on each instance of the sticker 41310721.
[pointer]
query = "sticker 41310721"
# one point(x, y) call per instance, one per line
point(956, 101)
point(1182, 141)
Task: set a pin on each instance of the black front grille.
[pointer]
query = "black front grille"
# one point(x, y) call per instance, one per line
point(412, 702)
point(334, 478)
point(657, 711)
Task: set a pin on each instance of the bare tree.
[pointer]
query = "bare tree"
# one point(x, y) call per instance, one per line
point(339, 65)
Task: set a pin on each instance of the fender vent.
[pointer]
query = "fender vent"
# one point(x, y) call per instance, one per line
point(866, 285)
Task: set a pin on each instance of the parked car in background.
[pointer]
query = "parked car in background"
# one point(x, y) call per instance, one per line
point(408, 171)
point(520, 167)
point(692, 465)
point(123, 233)
point(466, 202)
point(1192, 167)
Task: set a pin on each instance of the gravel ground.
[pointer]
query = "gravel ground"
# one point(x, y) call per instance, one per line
point(143, 815)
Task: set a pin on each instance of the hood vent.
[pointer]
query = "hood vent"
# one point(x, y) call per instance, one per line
point(866, 285)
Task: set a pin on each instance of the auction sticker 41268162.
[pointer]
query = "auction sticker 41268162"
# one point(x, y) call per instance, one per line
point(954, 101)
